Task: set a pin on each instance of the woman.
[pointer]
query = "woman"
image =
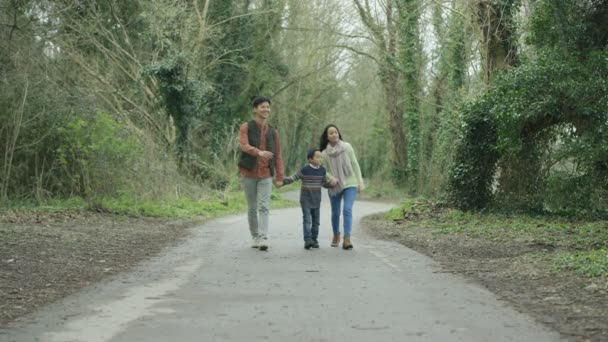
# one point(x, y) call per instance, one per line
point(341, 163)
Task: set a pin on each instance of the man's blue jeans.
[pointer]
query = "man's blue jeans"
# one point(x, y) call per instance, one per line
point(348, 195)
point(310, 219)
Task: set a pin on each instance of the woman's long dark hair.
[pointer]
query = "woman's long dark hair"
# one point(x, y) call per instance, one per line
point(324, 140)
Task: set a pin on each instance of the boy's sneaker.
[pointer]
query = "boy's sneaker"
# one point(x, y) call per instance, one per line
point(255, 243)
point(263, 245)
point(315, 244)
point(308, 244)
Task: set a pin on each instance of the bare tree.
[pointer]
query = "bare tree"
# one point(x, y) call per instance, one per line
point(382, 21)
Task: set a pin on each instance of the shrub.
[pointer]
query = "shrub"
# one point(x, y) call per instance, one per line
point(96, 156)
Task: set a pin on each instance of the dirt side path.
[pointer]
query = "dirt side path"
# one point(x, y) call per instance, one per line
point(46, 257)
point(518, 272)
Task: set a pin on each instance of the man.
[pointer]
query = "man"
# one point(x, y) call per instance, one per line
point(260, 161)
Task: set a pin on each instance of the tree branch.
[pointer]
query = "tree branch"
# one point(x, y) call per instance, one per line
point(375, 29)
point(306, 29)
point(202, 18)
point(299, 78)
point(437, 2)
point(358, 52)
point(238, 16)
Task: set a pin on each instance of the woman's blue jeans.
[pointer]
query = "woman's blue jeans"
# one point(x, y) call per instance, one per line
point(347, 195)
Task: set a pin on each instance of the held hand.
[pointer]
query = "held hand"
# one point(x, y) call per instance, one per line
point(360, 188)
point(333, 181)
point(278, 184)
point(267, 155)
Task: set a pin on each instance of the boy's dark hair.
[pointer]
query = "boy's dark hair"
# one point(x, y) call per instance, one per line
point(311, 153)
point(258, 100)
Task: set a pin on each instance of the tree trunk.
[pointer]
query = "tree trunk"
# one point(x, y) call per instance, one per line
point(409, 59)
point(498, 39)
point(391, 83)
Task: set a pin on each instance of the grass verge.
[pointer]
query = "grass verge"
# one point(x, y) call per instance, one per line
point(183, 208)
point(579, 245)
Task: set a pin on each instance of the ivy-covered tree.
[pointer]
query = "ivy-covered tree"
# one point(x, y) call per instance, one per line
point(550, 118)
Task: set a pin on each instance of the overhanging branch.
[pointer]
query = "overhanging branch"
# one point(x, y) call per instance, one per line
point(306, 29)
point(362, 53)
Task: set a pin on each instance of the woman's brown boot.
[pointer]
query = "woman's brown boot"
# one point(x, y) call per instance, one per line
point(346, 243)
point(336, 240)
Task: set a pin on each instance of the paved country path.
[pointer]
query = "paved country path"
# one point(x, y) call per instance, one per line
point(214, 287)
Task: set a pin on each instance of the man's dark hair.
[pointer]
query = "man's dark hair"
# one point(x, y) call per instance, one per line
point(258, 100)
point(311, 152)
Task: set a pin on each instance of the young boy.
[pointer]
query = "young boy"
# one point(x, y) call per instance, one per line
point(313, 177)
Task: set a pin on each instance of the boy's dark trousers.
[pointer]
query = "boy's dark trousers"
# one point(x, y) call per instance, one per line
point(310, 219)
